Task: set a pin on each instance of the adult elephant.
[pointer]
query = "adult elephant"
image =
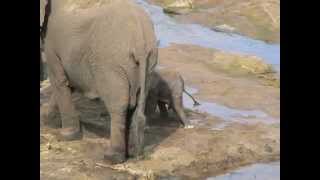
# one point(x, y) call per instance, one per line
point(103, 49)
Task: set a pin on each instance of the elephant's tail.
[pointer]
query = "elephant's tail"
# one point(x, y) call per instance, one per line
point(137, 124)
point(195, 102)
point(138, 91)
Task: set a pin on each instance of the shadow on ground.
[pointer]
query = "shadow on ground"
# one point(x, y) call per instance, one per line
point(95, 121)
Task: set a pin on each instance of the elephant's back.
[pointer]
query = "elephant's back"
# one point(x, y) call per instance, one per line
point(169, 75)
point(172, 80)
point(123, 27)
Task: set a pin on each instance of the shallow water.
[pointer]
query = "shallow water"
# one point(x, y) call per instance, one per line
point(270, 171)
point(229, 115)
point(169, 31)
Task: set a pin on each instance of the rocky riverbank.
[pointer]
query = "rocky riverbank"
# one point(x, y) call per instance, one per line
point(258, 19)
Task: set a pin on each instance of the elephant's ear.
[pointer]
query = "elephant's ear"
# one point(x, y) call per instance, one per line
point(43, 4)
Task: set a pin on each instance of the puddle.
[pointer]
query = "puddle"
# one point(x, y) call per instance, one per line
point(229, 115)
point(168, 31)
point(270, 171)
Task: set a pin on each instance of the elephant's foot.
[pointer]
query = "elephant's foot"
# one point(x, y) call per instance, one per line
point(187, 125)
point(49, 117)
point(136, 135)
point(114, 158)
point(71, 134)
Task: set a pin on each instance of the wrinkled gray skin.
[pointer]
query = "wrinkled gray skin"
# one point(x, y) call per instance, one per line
point(166, 92)
point(105, 51)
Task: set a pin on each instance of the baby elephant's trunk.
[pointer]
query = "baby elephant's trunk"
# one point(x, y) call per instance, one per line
point(195, 102)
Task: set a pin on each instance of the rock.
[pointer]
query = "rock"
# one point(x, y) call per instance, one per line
point(181, 4)
point(268, 148)
point(237, 63)
point(224, 28)
point(178, 7)
point(176, 11)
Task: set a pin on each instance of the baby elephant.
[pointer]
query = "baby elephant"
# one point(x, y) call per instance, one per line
point(166, 88)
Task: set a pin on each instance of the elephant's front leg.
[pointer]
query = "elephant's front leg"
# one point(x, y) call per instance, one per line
point(70, 118)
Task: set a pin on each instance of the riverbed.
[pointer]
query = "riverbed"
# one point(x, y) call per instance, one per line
point(236, 132)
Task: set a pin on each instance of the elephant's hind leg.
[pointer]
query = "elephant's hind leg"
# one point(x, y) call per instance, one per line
point(70, 118)
point(51, 116)
point(115, 94)
point(178, 108)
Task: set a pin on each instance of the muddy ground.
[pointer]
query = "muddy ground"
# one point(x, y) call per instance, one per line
point(170, 151)
point(258, 19)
